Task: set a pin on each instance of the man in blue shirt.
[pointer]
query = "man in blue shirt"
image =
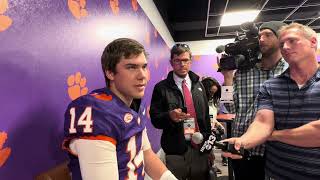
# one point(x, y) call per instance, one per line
point(246, 85)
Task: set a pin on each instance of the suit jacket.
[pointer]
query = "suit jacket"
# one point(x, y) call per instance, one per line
point(166, 97)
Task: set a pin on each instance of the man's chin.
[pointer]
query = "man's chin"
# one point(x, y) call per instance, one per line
point(182, 74)
point(264, 50)
point(138, 96)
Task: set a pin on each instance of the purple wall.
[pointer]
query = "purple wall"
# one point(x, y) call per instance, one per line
point(41, 51)
point(206, 65)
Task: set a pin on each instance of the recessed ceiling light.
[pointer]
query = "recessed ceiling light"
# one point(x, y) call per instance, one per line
point(237, 18)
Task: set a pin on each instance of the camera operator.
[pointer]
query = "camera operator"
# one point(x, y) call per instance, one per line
point(246, 85)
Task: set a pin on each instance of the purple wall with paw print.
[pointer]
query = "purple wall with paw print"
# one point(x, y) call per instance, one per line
point(50, 53)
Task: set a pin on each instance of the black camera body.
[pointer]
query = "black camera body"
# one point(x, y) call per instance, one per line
point(244, 52)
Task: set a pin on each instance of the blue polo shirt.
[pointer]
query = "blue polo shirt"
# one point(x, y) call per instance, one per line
point(292, 107)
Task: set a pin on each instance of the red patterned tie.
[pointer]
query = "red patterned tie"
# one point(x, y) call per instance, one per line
point(189, 103)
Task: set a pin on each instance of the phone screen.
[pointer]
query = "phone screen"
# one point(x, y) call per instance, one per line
point(184, 109)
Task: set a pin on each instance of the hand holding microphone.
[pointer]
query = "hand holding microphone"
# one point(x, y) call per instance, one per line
point(237, 144)
point(207, 146)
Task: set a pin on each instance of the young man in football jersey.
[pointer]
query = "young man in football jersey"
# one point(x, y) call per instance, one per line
point(105, 131)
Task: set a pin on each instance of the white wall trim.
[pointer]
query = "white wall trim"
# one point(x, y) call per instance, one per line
point(153, 14)
point(206, 47)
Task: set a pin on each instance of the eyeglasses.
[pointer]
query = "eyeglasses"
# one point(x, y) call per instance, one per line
point(181, 61)
point(181, 45)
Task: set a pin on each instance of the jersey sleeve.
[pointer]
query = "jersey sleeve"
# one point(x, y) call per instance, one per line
point(145, 140)
point(86, 119)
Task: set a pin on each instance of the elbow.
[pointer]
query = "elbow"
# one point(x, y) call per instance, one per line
point(155, 121)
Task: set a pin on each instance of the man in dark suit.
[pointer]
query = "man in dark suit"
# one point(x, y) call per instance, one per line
point(179, 107)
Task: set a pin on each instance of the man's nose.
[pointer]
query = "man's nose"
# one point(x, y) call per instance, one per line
point(142, 73)
point(285, 45)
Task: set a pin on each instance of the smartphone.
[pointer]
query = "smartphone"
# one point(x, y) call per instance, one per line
point(184, 109)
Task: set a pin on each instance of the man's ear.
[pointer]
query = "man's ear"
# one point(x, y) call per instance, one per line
point(314, 42)
point(109, 74)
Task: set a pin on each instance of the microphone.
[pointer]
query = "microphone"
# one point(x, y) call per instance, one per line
point(197, 138)
point(209, 144)
point(220, 49)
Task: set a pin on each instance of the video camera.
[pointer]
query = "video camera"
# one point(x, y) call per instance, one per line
point(244, 52)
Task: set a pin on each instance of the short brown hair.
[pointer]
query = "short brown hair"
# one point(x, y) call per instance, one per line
point(178, 49)
point(117, 49)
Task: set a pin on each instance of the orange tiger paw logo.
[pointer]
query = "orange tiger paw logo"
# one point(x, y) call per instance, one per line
point(4, 152)
point(134, 4)
point(196, 57)
point(5, 21)
point(77, 86)
point(114, 5)
point(155, 33)
point(147, 38)
point(77, 8)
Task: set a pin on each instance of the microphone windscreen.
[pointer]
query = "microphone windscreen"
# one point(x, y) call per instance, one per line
point(197, 138)
point(220, 49)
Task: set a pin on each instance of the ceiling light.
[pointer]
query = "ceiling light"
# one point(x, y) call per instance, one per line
point(237, 18)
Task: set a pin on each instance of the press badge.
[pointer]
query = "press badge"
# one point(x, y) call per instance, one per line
point(189, 128)
point(226, 94)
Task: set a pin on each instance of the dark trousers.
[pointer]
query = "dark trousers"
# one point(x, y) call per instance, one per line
point(192, 165)
point(249, 169)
